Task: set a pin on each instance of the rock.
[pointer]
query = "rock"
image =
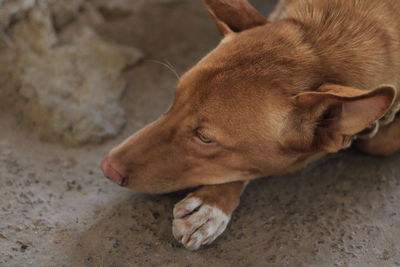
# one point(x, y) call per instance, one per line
point(65, 82)
point(10, 10)
point(65, 12)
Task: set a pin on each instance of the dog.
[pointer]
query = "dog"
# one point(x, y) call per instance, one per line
point(273, 96)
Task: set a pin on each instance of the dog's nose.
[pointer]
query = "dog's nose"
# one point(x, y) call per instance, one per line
point(112, 172)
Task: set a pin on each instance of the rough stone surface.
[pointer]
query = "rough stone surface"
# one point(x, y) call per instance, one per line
point(56, 209)
point(10, 10)
point(65, 81)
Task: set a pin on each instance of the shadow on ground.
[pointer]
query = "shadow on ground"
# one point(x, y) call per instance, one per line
point(341, 210)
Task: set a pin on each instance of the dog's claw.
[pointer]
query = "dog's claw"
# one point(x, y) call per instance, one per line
point(197, 224)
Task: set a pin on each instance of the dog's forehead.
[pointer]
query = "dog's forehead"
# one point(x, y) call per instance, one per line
point(252, 60)
point(208, 94)
point(245, 76)
point(217, 86)
point(224, 72)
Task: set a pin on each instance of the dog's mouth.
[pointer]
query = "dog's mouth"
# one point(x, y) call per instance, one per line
point(124, 181)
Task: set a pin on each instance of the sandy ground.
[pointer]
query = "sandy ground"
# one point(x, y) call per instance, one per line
point(56, 209)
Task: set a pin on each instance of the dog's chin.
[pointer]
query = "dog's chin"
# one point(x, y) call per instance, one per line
point(155, 189)
point(138, 187)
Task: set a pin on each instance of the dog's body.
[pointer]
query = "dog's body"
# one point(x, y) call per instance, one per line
point(272, 97)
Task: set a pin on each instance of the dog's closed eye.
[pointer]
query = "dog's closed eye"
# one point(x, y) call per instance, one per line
point(202, 138)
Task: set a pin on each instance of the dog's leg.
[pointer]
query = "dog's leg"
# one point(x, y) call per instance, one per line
point(204, 214)
point(385, 143)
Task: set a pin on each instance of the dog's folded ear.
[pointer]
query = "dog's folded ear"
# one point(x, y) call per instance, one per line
point(337, 112)
point(234, 15)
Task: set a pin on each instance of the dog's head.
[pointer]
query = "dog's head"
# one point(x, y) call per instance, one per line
point(255, 106)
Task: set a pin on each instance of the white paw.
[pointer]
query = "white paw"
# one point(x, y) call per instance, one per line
point(197, 224)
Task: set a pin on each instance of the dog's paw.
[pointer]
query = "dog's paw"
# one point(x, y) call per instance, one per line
point(196, 223)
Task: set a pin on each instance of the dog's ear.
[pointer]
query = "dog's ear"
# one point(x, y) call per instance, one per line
point(234, 15)
point(336, 113)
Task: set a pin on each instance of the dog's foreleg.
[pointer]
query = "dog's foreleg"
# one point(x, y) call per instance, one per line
point(204, 214)
point(385, 143)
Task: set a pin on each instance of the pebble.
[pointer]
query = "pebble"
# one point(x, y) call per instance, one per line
point(23, 247)
point(117, 243)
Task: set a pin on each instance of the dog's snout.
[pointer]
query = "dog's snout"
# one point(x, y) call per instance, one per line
point(112, 172)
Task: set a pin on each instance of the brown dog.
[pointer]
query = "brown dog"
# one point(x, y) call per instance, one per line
point(273, 96)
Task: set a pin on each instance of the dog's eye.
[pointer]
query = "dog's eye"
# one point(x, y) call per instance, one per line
point(203, 139)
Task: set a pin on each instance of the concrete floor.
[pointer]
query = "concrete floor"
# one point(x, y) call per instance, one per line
point(56, 208)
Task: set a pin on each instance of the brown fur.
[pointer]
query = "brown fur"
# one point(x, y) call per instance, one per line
point(273, 97)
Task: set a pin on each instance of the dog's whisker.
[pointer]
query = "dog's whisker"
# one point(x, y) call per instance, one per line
point(174, 69)
point(168, 66)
